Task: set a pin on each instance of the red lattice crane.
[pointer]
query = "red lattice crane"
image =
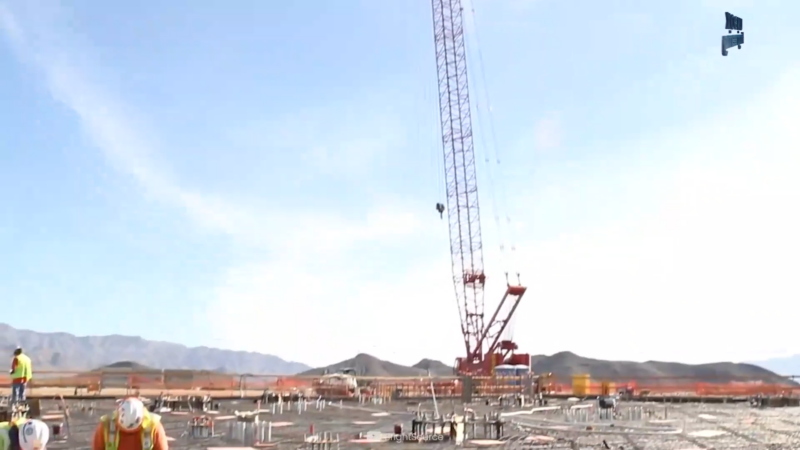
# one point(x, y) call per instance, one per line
point(484, 348)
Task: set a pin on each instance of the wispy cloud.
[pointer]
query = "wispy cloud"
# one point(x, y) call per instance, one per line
point(114, 132)
point(127, 149)
point(293, 240)
point(114, 128)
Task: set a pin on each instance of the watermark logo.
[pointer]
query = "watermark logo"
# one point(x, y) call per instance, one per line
point(418, 437)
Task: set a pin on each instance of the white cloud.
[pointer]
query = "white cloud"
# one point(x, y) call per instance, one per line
point(547, 133)
point(325, 311)
point(712, 275)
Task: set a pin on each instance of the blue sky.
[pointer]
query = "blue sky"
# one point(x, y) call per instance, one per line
point(265, 174)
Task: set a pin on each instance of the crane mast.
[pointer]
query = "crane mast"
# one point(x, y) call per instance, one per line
point(462, 204)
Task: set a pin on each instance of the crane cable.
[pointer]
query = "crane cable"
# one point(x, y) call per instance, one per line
point(493, 153)
point(428, 139)
point(487, 159)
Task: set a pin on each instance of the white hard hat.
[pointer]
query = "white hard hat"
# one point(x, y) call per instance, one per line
point(130, 414)
point(33, 435)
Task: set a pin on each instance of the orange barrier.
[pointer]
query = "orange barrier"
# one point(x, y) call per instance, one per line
point(401, 387)
point(164, 380)
point(687, 387)
point(745, 389)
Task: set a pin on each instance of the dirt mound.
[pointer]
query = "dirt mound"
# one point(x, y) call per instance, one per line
point(434, 367)
point(369, 366)
point(125, 365)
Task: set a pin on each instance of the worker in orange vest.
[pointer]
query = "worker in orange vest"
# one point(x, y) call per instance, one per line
point(130, 427)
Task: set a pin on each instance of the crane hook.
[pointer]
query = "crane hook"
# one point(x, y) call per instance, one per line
point(440, 209)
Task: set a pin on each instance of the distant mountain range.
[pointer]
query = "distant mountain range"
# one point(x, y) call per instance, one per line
point(370, 366)
point(566, 364)
point(63, 351)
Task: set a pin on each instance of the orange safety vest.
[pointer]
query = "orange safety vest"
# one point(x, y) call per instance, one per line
point(148, 431)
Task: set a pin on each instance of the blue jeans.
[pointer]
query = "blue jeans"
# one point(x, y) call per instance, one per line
point(17, 392)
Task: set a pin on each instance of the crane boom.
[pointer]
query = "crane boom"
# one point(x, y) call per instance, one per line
point(463, 206)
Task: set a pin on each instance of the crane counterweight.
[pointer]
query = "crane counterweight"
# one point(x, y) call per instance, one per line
point(462, 202)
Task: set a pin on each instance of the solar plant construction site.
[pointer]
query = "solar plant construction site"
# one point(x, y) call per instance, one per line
point(493, 397)
point(295, 421)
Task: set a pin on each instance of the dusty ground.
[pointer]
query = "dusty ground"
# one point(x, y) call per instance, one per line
point(695, 426)
point(641, 426)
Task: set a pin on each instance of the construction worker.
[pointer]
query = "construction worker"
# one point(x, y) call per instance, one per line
point(130, 427)
point(24, 434)
point(21, 373)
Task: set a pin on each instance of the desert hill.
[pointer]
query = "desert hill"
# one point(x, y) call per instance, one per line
point(434, 367)
point(566, 364)
point(64, 351)
point(124, 366)
point(368, 366)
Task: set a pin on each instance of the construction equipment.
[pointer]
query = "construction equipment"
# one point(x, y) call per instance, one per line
point(462, 205)
point(608, 398)
point(165, 402)
point(343, 384)
point(543, 383)
point(201, 427)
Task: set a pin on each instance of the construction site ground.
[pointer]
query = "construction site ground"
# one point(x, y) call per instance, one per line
point(560, 424)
